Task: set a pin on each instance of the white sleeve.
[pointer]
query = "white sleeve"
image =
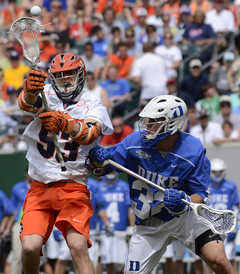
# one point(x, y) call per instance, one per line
point(136, 69)
point(177, 55)
point(230, 25)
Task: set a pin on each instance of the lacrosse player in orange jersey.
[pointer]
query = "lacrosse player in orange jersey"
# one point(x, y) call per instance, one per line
point(60, 197)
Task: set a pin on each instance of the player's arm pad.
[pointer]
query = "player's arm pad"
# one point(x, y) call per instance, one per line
point(33, 108)
point(87, 134)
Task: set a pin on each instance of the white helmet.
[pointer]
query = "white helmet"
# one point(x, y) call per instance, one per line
point(171, 108)
point(218, 165)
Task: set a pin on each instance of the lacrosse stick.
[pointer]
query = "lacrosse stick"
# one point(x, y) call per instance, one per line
point(26, 30)
point(220, 221)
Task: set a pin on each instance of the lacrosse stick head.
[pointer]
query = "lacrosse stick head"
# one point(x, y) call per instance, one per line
point(26, 30)
point(220, 221)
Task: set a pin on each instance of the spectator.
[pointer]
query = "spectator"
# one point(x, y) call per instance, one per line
point(167, 27)
point(150, 73)
point(219, 76)
point(151, 36)
point(114, 41)
point(230, 134)
point(47, 6)
point(206, 130)
point(59, 32)
point(117, 6)
point(173, 7)
point(192, 82)
point(140, 28)
point(128, 20)
point(121, 130)
point(94, 88)
point(172, 87)
point(226, 114)
point(57, 10)
point(19, 192)
point(221, 187)
point(117, 89)
point(9, 15)
point(47, 46)
point(113, 246)
point(81, 29)
point(93, 62)
point(5, 60)
point(171, 54)
point(197, 32)
point(10, 106)
point(60, 48)
point(3, 89)
point(232, 75)
point(210, 101)
point(6, 221)
point(186, 19)
point(221, 20)
point(109, 22)
point(101, 42)
point(235, 101)
point(147, 6)
point(97, 18)
point(192, 119)
point(14, 75)
point(134, 48)
point(121, 60)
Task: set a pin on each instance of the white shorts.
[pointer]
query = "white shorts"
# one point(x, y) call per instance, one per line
point(64, 252)
point(169, 252)
point(230, 250)
point(148, 243)
point(113, 249)
point(180, 250)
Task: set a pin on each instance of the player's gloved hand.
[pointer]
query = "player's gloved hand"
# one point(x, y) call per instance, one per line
point(35, 81)
point(57, 121)
point(99, 154)
point(58, 236)
point(109, 227)
point(231, 236)
point(173, 201)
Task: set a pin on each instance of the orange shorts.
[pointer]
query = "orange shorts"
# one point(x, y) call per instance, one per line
point(59, 204)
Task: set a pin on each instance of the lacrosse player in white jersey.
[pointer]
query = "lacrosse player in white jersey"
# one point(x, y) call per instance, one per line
point(60, 197)
point(177, 162)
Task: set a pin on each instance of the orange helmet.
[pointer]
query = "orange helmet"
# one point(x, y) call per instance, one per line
point(67, 72)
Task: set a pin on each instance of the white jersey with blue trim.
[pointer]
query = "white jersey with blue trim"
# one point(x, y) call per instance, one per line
point(43, 163)
point(186, 168)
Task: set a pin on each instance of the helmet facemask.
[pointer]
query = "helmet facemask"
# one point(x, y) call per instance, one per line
point(218, 170)
point(149, 130)
point(68, 84)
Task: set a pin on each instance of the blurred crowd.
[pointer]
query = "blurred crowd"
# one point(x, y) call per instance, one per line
point(133, 47)
point(133, 51)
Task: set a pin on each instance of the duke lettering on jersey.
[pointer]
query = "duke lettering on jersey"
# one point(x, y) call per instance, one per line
point(114, 197)
point(162, 181)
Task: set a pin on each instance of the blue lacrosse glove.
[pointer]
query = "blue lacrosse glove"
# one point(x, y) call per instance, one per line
point(99, 154)
point(231, 236)
point(58, 236)
point(109, 227)
point(173, 201)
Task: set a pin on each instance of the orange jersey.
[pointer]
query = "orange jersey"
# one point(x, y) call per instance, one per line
point(7, 15)
point(59, 204)
point(174, 9)
point(122, 64)
point(204, 7)
point(116, 5)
